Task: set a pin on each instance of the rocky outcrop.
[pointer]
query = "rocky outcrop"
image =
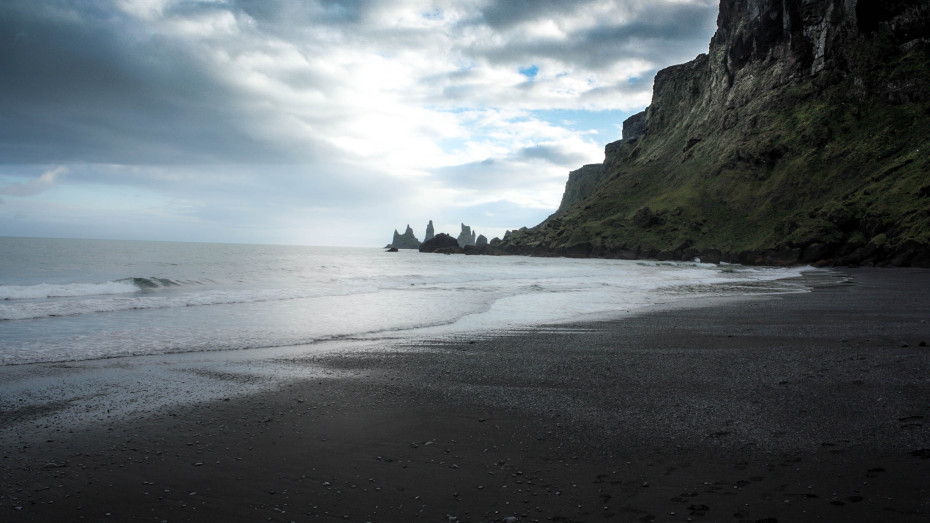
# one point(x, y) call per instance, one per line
point(799, 137)
point(633, 127)
point(404, 241)
point(441, 243)
point(466, 237)
point(481, 246)
point(430, 233)
point(581, 184)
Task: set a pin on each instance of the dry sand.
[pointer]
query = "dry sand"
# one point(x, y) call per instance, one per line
point(797, 407)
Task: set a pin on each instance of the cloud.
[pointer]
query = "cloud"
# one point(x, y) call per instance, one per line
point(44, 182)
point(329, 102)
point(249, 81)
point(554, 154)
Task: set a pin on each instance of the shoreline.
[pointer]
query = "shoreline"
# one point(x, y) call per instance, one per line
point(787, 407)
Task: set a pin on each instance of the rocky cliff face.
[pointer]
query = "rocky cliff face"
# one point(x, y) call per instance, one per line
point(581, 184)
point(466, 237)
point(800, 137)
point(408, 240)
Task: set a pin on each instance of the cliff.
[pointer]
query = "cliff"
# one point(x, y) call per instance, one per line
point(581, 184)
point(800, 137)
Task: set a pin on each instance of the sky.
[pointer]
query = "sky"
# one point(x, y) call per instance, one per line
point(316, 122)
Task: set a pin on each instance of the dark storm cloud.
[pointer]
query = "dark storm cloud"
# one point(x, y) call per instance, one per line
point(87, 85)
point(660, 33)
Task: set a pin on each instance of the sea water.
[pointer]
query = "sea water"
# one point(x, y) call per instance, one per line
point(71, 300)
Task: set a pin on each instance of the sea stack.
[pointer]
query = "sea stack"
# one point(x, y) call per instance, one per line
point(430, 232)
point(404, 241)
point(466, 237)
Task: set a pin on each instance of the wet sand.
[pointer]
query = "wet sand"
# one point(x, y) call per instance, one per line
point(783, 408)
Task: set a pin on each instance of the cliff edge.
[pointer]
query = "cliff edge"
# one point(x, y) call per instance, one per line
point(800, 137)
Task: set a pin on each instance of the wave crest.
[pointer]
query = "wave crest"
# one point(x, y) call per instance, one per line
point(71, 290)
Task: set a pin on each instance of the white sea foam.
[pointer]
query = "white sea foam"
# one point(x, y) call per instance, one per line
point(51, 290)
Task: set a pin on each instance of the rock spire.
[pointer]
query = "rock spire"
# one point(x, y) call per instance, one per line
point(404, 241)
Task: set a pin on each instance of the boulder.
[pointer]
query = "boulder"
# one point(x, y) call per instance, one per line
point(440, 241)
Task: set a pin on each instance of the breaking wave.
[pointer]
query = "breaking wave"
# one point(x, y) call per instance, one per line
point(72, 290)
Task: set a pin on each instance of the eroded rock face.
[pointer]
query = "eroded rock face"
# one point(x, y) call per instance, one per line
point(466, 237)
point(405, 241)
point(633, 126)
point(581, 184)
point(430, 233)
point(798, 134)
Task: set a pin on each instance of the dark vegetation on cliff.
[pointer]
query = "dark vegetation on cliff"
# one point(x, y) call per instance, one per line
point(800, 137)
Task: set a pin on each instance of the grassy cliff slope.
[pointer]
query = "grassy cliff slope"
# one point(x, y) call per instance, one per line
point(800, 137)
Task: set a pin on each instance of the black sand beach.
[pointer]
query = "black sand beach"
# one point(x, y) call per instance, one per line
point(799, 407)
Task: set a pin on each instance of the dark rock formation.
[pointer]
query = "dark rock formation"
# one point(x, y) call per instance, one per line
point(466, 237)
point(800, 137)
point(480, 247)
point(405, 241)
point(581, 184)
point(441, 243)
point(392, 249)
point(430, 233)
point(633, 127)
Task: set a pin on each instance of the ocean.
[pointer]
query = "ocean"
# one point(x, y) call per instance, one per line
point(64, 300)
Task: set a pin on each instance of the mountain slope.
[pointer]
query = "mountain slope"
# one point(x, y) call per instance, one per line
point(800, 137)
